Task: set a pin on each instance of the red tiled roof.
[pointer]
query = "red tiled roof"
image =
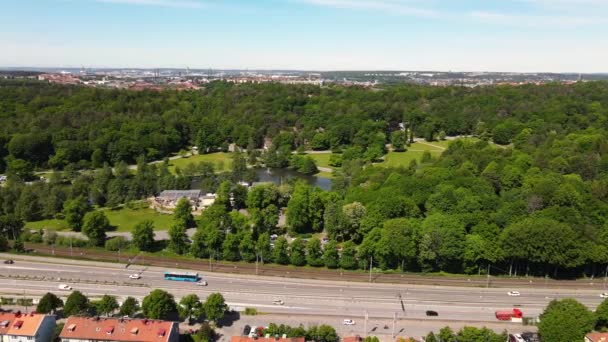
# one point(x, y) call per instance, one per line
point(597, 337)
point(116, 329)
point(264, 339)
point(352, 339)
point(20, 324)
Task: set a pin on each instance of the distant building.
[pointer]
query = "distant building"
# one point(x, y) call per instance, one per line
point(167, 200)
point(596, 337)
point(23, 327)
point(87, 329)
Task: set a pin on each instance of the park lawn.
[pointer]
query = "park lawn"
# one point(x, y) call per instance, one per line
point(396, 159)
point(321, 159)
point(426, 146)
point(213, 158)
point(125, 219)
point(51, 224)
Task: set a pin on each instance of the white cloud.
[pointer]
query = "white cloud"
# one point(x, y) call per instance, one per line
point(390, 6)
point(525, 20)
point(160, 3)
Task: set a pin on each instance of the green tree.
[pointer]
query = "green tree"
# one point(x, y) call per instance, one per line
point(322, 333)
point(266, 219)
point(348, 258)
point(159, 304)
point(143, 236)
point(116, 243)
point(95, 226)
point(230, 248)
point(331, 258)
point(74, 211)
point(49, 303)
point(107, 305)
point(262, 248)
point(76, 304)
point(182, 214)
point(298, 213)
point(129, 307)
point(446, 334)
point(280, 253)
point(314, 252)
point(189, 305)
point(215, 307)
point(398, 140)
point(565, 320)
point(247, 247)
point(18, 245)
point(205, 333)
point(297, 252)
point(177, 238)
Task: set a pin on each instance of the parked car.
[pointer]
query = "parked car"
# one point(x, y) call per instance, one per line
point(431, 313)
point(64, 287)
point(246, 330)
point(348, 322)
point(278, 302)
point(9, 261)
point(201, 283)
point(134, 276)
point(514, 293)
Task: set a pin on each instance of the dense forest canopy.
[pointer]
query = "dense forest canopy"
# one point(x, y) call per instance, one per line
point(53, 126)
point(527, 196)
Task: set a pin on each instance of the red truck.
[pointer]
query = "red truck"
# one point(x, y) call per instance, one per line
point(507, 315)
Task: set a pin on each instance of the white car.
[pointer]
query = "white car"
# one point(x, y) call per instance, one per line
point(514, 293)
point(278, 302)
point(348, 322)
point(64, 287)
point(201, 283)
point(134, 276)
point(604, 295)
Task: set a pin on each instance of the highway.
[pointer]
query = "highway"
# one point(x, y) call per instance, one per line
point(34, 276)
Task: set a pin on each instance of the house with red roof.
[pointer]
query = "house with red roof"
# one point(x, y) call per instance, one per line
point(26, 327)
point(89, 329)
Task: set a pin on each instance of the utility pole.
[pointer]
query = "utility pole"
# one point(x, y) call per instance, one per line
point(365, 325)
point(488, 283)
point(394, 319)
point(71, 251)
point(371, 261)
point(605, 276)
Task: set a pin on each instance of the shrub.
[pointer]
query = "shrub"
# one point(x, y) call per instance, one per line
point(116, 243)
point(250, 311)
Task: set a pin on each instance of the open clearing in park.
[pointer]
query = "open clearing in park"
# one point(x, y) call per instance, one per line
point(124, 219)
point(221, 161)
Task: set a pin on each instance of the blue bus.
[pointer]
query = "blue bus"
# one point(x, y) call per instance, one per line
point(182, 276)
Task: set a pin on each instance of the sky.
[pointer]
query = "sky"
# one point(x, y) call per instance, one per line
point(443, 35)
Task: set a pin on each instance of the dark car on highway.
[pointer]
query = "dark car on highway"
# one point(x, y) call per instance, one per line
point(9, 261)
point(431, 313)
point(246, 330)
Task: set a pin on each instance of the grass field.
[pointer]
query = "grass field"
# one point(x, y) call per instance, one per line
point(123, 219)
point(52, 224)
point(214, 158)
point(322, 159)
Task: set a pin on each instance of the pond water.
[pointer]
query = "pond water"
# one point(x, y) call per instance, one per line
point(279, 176)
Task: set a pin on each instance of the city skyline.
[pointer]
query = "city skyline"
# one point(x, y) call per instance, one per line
point(468, 35)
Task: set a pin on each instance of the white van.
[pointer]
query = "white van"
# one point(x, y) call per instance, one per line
point(64, 287)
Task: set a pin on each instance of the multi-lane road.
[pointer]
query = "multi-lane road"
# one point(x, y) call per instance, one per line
point(34, 276)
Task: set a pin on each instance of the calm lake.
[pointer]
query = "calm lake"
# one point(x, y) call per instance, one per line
point(280, 176)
